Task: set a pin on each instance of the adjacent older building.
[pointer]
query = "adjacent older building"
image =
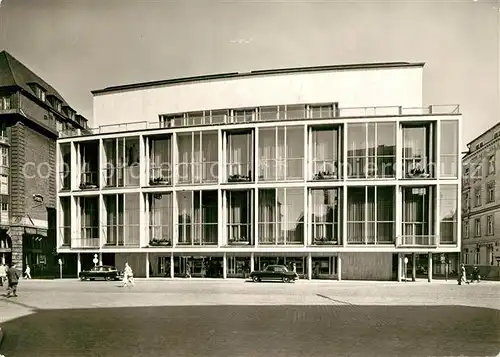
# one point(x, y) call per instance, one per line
point(481, 200)
point(337, 170)
point(31, 113)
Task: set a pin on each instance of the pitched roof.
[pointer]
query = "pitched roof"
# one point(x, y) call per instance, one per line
point(14, 73)
point(174, 81)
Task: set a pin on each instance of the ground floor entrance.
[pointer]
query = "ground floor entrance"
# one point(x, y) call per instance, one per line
point(383, 266)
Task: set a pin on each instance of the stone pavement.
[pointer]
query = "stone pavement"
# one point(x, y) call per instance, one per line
point(61, 294)
point(232, 317)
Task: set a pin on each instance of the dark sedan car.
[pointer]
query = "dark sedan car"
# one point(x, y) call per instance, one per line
point(274, 272)
point(105, 272)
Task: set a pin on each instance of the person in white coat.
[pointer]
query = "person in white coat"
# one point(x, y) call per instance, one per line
point(27, 272)
point(128, 275)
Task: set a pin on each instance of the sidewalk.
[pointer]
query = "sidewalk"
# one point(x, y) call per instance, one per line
point(300, 281)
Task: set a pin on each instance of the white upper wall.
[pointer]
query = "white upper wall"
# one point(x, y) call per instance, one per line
point(394, 86)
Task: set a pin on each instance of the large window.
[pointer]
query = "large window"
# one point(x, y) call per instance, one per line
point(89, 158)
point(319, 111)
point(244, 115)
point(239, 156)
point(4, 212)
point(490, 189)
point(197, 217)
point(449, 149)
point(65, 167)
point(370, 215)
point(371, 150)
point(281, 216)
point(326, 149)
point(418, 216)
point(418, 149)
point(477, 227)
point(448, 213)
point(198, 157)
point(89, 223)
point(239, 216)
point(121, 157)
point(4, 156)
point(122, 219)
point(4, 184)
point(325, 216)
point(4, 136)
point(65, 220)
point(160, 219)
point(160, 160)
point(490, 225)
point(477, 196)
point(281, 153)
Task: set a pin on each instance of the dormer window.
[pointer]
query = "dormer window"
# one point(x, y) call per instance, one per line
point(40, 93)
point(58, 105)
point(71, 114)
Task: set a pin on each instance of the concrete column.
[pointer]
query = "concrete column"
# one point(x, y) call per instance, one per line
point(220, 219)
point(252, 262)
point(147, 265)
point(339, 267)
point(255, 228)
point(100, 258)
point(224, 266)
point(78, 264)
point(309, 266)
point(143, 237)
point(414, 267)
point(102, 165)
point(172, 270)
point(429, 268)
point(400, 267)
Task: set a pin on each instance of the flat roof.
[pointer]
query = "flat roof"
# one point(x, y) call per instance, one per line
point(358, 66)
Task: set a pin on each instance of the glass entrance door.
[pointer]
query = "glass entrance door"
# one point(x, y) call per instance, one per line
point(324, 267)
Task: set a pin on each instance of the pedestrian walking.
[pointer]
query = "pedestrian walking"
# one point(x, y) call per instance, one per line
point(3, 273)
point(476, 276)
point(13, 275)
point(203, 269)
point(462, 278)
point(128, 276)
point(27, 272)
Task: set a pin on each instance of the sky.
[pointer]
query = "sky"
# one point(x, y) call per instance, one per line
point(81, 45)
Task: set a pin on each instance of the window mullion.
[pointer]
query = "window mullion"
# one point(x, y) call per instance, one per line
point(366, 215)
point(375, 208)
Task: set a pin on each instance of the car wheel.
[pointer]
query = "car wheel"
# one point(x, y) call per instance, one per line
point(108, 278)
point(286, 279)
point(255, 279)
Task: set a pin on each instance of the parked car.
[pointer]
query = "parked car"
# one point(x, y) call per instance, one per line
point(274, 272)
point(105, 272)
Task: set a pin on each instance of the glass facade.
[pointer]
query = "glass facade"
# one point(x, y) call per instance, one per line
point(449, 149)
point(281, 153)
point(332, 185)
point(281, 216)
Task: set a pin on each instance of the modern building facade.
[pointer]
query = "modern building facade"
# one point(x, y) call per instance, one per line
point(31, 114)
point(481, 200)
point(338, 169)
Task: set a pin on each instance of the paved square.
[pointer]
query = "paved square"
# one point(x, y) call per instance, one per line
point(234, 318)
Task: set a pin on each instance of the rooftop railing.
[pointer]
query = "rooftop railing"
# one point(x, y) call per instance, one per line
point(186, 121)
